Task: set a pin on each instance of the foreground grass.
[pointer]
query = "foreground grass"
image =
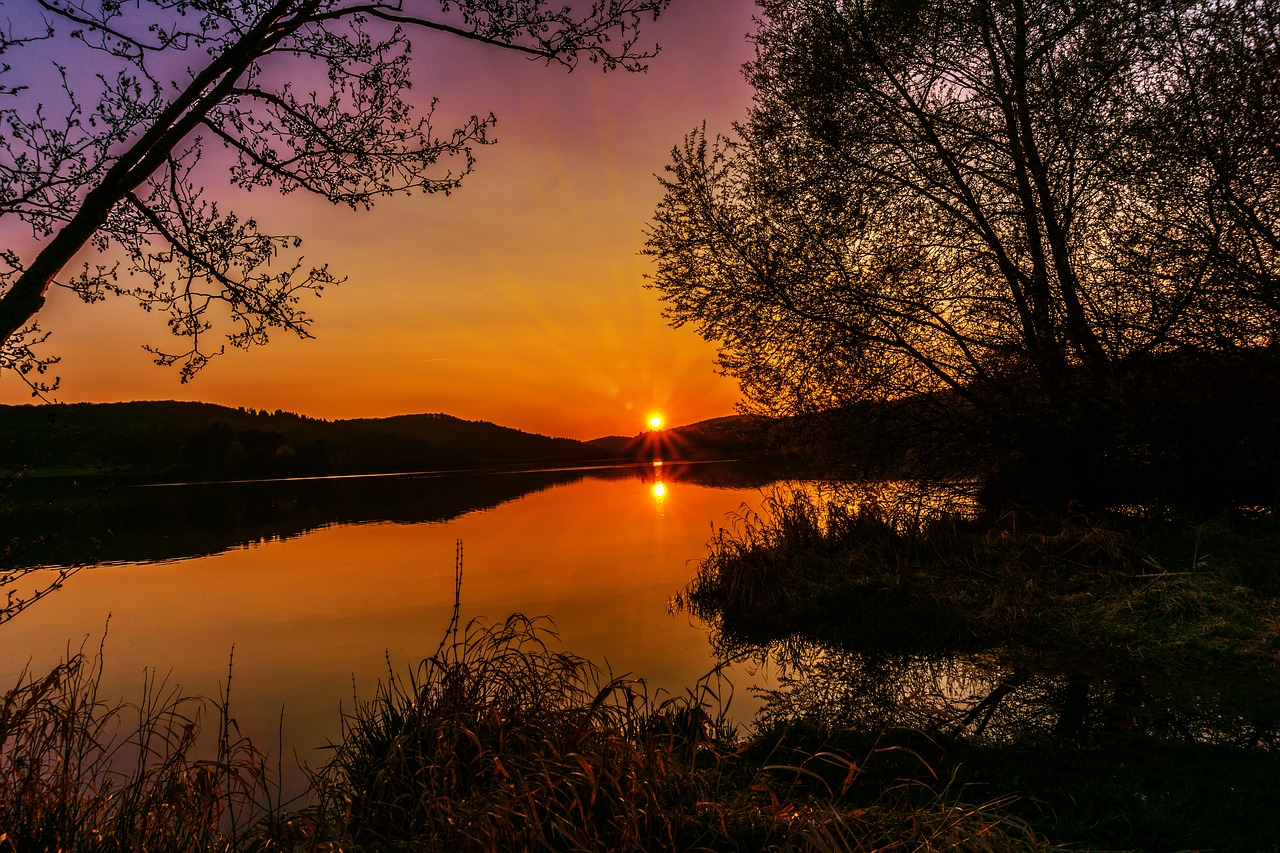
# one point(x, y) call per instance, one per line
point(498, 741)
point(80, 774)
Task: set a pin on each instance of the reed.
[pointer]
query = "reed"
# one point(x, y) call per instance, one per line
point(78, 773)
point(497, 741)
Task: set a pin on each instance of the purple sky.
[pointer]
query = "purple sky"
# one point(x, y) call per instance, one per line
point(519, 299)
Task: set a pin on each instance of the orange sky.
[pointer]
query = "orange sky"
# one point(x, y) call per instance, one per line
point(517, 300)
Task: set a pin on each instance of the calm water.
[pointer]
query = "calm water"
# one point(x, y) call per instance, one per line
point(317, 584)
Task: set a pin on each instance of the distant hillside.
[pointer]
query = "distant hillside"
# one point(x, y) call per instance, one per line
point(483, 440)
point(718, 438)
point(172, 440)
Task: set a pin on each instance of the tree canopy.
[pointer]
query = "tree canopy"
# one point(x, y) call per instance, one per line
point(107, 110)
point(1021, 205)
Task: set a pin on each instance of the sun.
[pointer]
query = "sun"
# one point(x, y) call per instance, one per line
point(655, 421)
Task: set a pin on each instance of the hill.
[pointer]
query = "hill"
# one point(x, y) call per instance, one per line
point(173, 440)
point(718, 438)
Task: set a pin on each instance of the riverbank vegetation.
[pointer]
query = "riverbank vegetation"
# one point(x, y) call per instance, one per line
point(940, 683)
point(498, 741)
point(1051, 588)
point(1119, 674)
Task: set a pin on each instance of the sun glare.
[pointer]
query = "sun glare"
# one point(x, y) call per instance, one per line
point(655, 422)
point(659, 490)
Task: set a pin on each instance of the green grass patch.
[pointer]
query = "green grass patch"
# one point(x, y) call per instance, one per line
point(1120, 676)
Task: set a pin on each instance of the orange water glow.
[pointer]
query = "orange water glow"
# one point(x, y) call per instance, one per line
point(305, 628)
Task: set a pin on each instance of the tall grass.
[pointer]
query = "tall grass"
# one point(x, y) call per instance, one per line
point(500, 742)
point(78, 773)
point(497, 741)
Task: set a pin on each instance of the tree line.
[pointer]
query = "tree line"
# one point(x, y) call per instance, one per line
point(176, 441)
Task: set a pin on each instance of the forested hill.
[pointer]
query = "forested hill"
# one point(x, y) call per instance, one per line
point(173, 440)
point(718, 438)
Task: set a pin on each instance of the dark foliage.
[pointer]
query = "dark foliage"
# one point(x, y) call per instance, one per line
point(204, 441)
point(1055, 223)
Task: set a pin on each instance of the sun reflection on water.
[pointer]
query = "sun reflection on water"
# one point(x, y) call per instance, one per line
point(657, 487)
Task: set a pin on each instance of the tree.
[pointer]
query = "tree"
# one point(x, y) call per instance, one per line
point(1018, 210)
point(104, 145)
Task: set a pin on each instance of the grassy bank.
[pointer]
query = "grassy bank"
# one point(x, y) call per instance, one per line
point(1107, 595)
point(1121, 676)
point(498, 741)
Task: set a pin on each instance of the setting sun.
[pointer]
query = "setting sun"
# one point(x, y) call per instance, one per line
point(655, 422)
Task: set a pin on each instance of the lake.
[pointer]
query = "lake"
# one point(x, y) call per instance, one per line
point(318, 584)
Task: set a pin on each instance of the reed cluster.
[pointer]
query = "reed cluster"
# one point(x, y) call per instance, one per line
point(79, 773)
point(500, 742)
point(497, 741)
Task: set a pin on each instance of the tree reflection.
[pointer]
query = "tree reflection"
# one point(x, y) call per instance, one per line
point(152, 523)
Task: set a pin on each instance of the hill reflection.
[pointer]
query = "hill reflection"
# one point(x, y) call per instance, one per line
point(52, 523)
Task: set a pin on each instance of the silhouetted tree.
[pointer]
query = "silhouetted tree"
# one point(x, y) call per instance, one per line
point(106, 109)
point(1012, 208)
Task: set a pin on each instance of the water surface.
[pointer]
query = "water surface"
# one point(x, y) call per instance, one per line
point(318, 585)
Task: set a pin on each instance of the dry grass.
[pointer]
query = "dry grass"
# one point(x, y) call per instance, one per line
point(80, 774)
point(498, 741)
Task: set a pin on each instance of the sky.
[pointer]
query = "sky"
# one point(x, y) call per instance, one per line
point(519, 299)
